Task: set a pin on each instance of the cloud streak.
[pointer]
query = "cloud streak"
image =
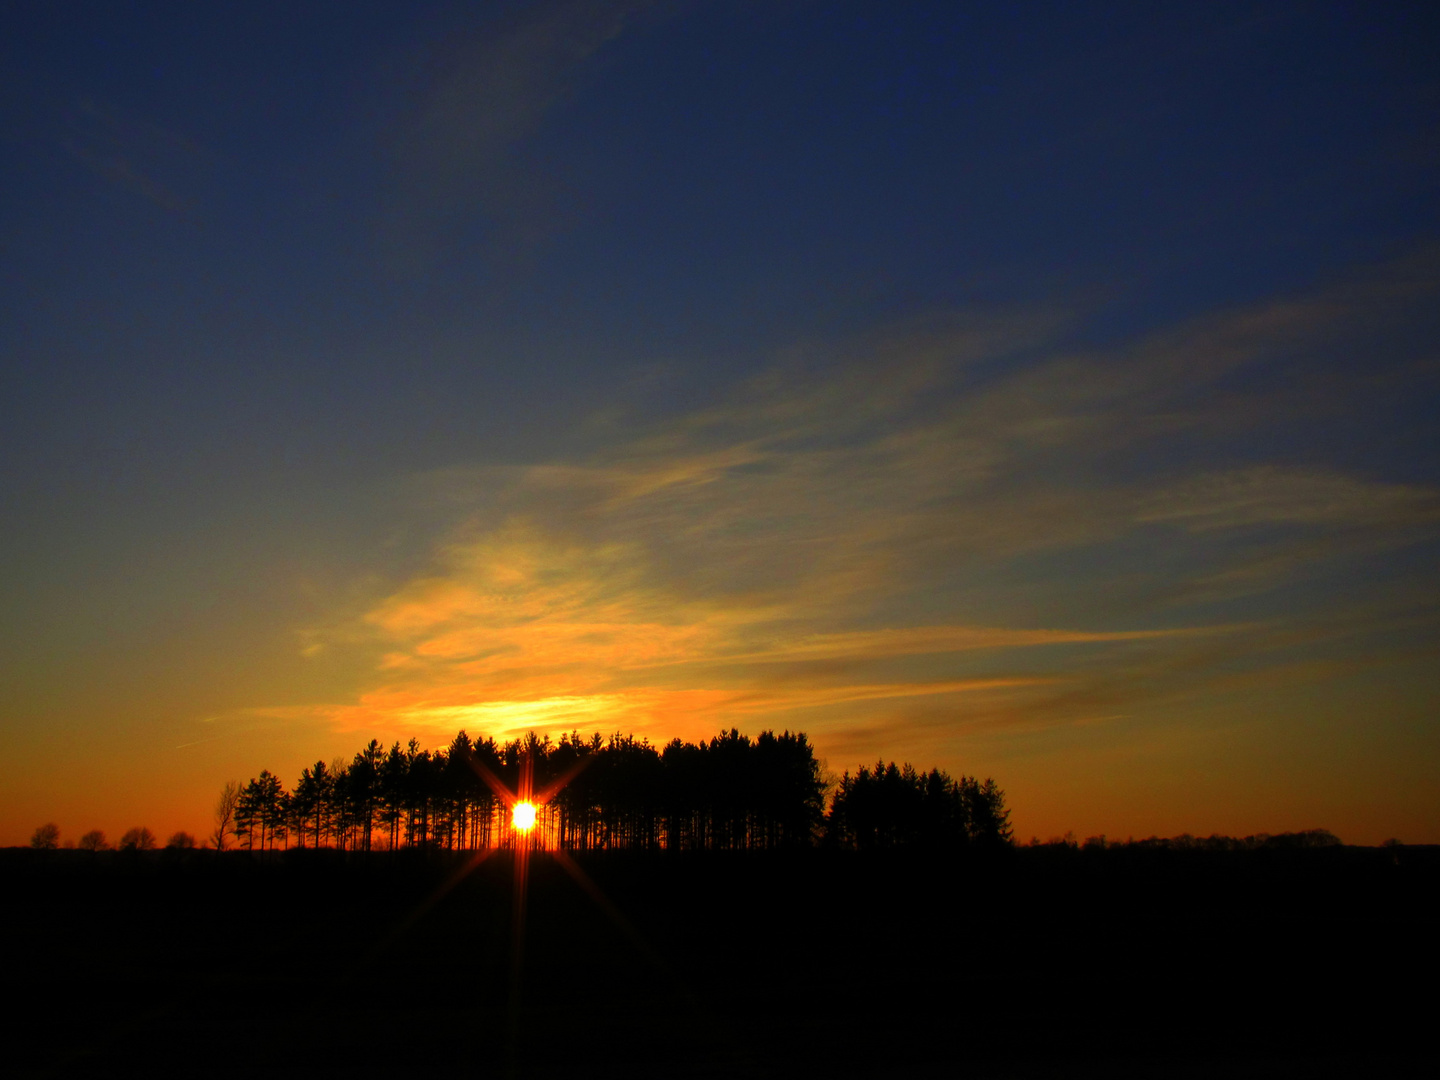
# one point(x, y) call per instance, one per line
point(996, 535)
point(135, 155)
point(461, 149)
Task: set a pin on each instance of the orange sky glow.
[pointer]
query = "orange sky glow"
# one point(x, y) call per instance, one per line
point(761, 565)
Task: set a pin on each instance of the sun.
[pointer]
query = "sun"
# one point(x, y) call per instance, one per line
point(523, 817)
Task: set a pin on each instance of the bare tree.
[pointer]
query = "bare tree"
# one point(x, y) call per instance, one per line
point(94, 840)
point(139, 838)
point(225, 815)
point(181, 840)
point(46, 837)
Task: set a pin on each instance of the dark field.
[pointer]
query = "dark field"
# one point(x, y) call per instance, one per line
point(1032, 963)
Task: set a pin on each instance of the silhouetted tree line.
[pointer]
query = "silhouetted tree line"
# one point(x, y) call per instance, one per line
point(728, 793)
point(891, 806)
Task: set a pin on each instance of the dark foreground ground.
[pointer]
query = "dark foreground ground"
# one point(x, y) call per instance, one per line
point(1039, 963)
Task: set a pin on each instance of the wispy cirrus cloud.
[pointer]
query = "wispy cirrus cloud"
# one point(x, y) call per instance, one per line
point(460, 150)
point(1268, 495)
point(1001, 533)
point(136, 155)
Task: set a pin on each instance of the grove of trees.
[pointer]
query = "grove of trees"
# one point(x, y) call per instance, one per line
point(891, 806)
point(731, 792)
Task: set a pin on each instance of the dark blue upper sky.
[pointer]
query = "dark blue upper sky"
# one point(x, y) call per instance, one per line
point(315, 223)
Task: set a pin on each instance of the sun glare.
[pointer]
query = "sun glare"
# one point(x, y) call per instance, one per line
point(524, 816)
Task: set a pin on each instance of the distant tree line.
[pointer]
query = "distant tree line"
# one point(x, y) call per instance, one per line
point(1289, 841)
point(140, 838)
point(731, 792)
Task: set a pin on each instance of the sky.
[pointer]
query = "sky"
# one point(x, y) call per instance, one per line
point(1043, 392)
